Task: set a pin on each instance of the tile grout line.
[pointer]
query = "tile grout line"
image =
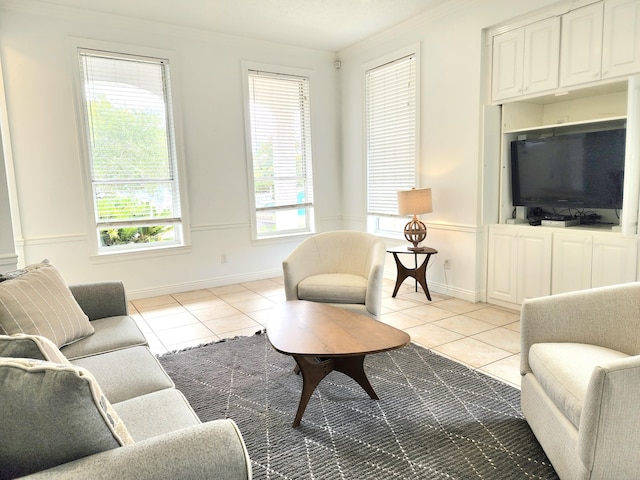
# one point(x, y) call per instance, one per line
point(271, 287)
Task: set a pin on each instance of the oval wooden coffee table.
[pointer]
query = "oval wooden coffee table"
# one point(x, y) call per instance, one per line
point(322, 338)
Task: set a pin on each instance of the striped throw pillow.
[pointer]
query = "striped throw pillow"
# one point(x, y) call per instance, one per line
point(39, 302)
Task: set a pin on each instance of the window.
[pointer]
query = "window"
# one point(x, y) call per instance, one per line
point(280, 145)
point(391, 138)
point(131, 150)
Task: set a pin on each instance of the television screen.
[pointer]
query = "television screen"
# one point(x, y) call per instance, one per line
point(580, 170)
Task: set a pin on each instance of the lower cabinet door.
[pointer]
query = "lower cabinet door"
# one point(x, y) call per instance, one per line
point(571, 266)
point(614, 260)
point(534, 264)
point(503, 264)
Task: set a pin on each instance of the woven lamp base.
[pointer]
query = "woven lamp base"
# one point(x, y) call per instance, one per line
point(415, 232)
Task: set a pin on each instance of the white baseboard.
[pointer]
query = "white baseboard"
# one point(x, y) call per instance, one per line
point(134, 294)
point(460, 293)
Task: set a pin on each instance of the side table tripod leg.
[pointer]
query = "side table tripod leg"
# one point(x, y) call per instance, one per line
point(403, 273)
point(421, 276)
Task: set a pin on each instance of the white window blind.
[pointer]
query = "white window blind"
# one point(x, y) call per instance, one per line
point(131, 149)
point(280, 131)
point(390, 133)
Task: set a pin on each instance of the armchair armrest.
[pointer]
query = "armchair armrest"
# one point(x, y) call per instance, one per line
point(375, 260)
point(208, 450)
point(604, 316)
point(101, 299)
point(299, 264)
point(609, 433)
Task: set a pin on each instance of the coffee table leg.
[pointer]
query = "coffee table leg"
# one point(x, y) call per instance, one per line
point(354, 368)
point(313, 371)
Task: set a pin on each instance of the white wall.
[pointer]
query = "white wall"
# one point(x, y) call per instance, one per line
point(48, 166)
point(452, 90)
point(36, 61)
point(8, 256)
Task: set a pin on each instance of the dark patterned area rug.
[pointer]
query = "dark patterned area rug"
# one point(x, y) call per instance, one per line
point(435, 418)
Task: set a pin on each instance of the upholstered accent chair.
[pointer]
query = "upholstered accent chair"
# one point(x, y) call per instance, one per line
point(343, 268)
point(580, 366)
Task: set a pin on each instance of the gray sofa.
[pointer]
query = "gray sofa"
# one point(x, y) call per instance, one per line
point(580, 366)
point(160, 436)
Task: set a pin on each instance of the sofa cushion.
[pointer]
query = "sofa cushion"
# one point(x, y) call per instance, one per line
point(30, 346)
point(111, 334)
point(333, 288)
point(127, 373)
point(39, 302)
point(164, 411)
point(564, 370)
point(52, 414)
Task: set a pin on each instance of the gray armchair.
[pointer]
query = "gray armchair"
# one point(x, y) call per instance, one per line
point(344, 268)
point(580, 366)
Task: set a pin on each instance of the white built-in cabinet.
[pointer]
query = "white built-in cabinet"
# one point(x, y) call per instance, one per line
point(597, 87)
point(572, 260)
point(507, 66)
point(525, 60)
point(581, 53)
point(584, 260)
point(527, 262)
point(520, 260)
point(621, 38)
point(587, 45)
point(614, 260)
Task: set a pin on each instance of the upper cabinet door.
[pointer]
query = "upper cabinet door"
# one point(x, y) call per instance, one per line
point(508, 60)
point(541, 56)
point(525, 60)
point(621, 38)
point(581, 45)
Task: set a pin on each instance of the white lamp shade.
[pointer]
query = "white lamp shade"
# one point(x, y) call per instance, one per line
point(414, 201)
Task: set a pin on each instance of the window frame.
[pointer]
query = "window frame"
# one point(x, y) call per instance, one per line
point(390, 225)
point(247, 68)
point(174, 130)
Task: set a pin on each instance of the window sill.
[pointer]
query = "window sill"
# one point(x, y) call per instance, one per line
point(275, 239)
point(127, 255)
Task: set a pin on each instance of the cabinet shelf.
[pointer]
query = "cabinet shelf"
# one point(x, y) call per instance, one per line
point(590, 124)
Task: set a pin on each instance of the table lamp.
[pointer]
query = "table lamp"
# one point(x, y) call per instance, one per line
point(414, 202)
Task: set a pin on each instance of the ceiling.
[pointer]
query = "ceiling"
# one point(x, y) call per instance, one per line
point(321, 24)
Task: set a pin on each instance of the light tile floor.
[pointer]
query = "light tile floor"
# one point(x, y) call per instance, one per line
point(481, 336)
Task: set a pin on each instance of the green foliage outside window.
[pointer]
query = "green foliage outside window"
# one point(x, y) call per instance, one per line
point(124, 236)
point(129, 146)
point(123, 208)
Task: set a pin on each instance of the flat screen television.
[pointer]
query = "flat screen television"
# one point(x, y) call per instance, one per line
point(579, 170)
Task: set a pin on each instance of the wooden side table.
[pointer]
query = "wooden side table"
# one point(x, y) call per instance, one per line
point(419, 273)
